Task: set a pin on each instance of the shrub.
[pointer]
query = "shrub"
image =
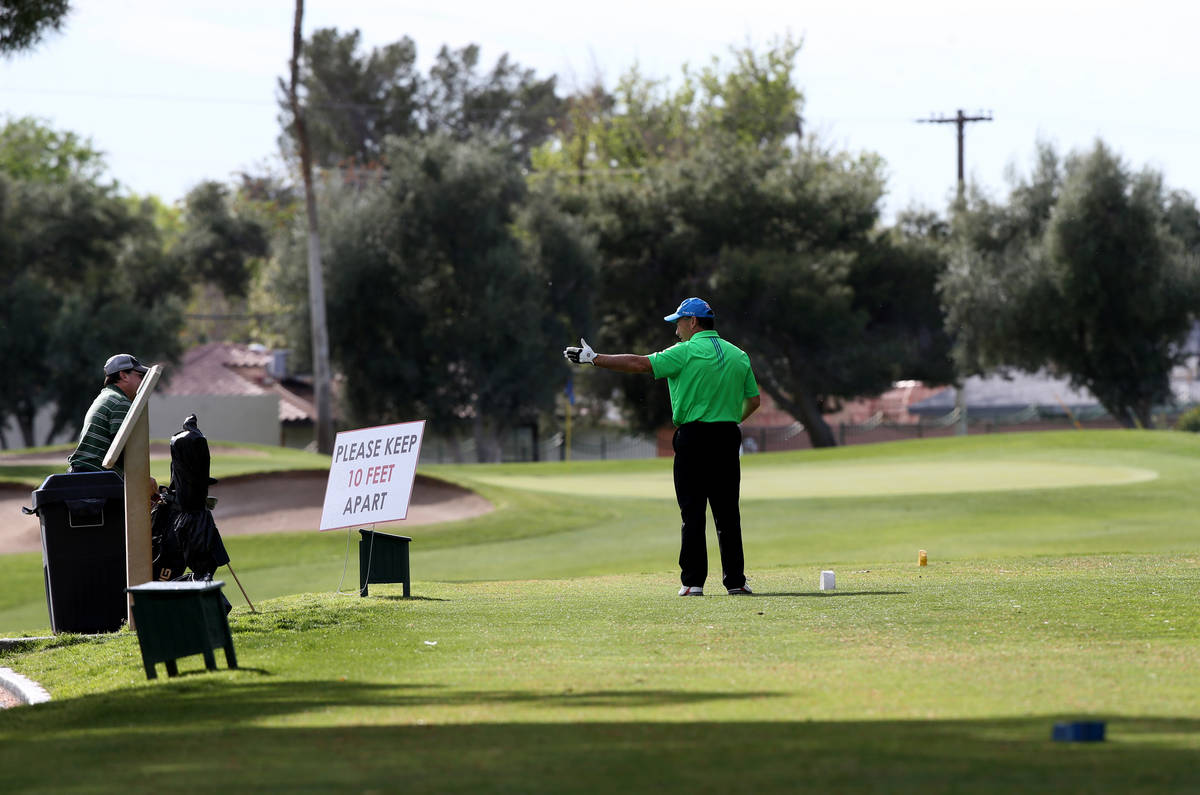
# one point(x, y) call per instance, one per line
point(1189, 420)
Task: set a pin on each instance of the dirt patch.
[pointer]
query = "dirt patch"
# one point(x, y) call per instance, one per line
point(293, 501)
point(274, 503)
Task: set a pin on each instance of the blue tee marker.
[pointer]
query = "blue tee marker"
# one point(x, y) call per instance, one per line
point(1079, 732)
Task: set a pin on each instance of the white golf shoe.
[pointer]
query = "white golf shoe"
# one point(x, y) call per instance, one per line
point(691, 590)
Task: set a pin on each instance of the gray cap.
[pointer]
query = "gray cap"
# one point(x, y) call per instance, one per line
point(121, 362)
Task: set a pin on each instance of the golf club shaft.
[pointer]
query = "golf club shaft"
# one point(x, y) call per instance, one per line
point(243, 590)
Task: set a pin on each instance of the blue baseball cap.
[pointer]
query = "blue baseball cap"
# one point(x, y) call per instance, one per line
point(691, 307)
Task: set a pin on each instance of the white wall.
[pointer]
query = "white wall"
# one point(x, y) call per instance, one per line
point(41, 426)
point(221, 418)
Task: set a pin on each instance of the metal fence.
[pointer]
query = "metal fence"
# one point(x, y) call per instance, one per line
point(599, 447)
point(610, 444)
point(520, 444)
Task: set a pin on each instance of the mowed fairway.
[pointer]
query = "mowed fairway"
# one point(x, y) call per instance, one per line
point(791, 480)
point(545, 650)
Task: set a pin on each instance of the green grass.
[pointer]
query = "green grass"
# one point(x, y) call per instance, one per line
point(947, 678)
point(786, 479)
point(545, 651)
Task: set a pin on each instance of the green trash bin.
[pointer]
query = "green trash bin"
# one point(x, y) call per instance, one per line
point(178, 619)
point(383, 558)
point(83, 550)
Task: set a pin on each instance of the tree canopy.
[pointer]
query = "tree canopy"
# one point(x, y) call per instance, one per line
point(218, 244)
point(355, 99)
point(24, 23)
point(83, 275)
point(30, 150)
point(711, 190)
point(1087, 271)
point(448, 289)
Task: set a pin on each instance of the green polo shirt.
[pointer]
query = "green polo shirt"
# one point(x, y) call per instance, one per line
point(100, 427)
point(708, 378)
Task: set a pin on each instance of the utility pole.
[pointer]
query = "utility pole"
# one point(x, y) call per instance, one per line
point(960, 120)
point(322, 377)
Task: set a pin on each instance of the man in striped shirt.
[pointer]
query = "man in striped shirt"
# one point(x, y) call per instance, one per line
point(123, 375)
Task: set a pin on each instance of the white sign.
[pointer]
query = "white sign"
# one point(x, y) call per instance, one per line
point(371, 477)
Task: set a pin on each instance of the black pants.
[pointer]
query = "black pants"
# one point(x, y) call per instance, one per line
point(708, 472)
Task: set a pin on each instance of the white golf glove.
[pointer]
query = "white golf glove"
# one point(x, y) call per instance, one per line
point(584, 355)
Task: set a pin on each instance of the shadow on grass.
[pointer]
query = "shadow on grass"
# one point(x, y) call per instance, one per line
point(205, 672)
point(205, 699)
point(109, 742)
point(399, 598)
point(829, 594)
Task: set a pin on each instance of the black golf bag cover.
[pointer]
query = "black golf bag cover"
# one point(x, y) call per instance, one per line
point(182, 528)
point(189, 466)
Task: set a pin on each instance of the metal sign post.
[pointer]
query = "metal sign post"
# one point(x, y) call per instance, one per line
point(133, 439)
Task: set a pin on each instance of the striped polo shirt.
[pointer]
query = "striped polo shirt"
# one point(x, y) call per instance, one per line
point(100, 427)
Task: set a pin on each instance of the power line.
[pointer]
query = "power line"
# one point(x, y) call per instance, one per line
point(418, 106)
point(66, 92)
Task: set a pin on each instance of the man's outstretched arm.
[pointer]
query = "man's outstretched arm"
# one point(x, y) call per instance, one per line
point(621, 362)
point(624, 362)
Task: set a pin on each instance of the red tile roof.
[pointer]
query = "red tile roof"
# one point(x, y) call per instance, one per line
point(891, 406)
point(293, 407)
point(225, 368)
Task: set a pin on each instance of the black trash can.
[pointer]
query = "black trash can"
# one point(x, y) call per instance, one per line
point(83, 550)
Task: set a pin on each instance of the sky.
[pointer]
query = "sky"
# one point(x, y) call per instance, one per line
point(184, 91)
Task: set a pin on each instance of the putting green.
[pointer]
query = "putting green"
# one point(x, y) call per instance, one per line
point(845, 480)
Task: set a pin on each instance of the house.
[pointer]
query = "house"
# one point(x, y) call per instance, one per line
point(238, 393)
point(869, 419)
point(1007, 396)
point(1000, 397)
point(1021, 396)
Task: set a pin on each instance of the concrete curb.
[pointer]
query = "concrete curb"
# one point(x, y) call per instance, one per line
point(22, 689)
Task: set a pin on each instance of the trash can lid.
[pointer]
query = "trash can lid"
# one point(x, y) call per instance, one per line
point(77, 486)
point(176, 587)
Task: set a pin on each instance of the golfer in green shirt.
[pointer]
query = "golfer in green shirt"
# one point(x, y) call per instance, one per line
point(712, 390)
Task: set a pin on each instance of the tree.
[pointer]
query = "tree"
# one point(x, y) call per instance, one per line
point(356, 99)
point(24, 336)
point(508, 103)
point(217, 244)
point(24, 23)
point(644, 121)
point(755, 102)
point(1091, 279)
point(450, 287)
point(779, 233)
point(1183, 220)
point(29, 150)
point(895, 280)
point(83, 275)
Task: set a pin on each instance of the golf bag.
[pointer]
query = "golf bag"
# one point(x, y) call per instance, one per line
point(183, 533)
